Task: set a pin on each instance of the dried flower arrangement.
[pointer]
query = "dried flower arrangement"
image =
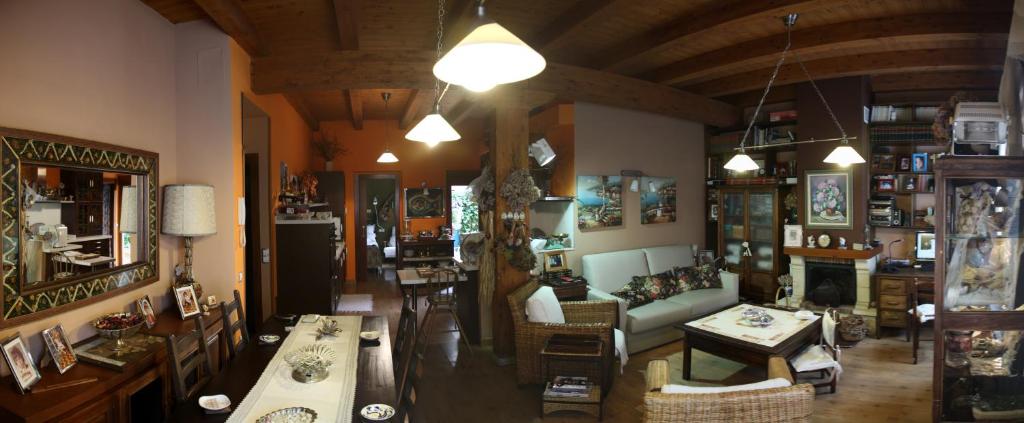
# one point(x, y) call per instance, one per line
point(483, 188)
point(519, 190)
point(326, 146)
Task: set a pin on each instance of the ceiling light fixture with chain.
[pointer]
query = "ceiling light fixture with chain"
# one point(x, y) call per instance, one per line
point(433, 129)
point(843, 155)
point(387, 156)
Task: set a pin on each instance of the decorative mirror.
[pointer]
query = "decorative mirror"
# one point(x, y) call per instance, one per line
point(78, 221)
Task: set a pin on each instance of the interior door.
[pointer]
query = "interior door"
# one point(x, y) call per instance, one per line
point(762, 238)
point(733, 227)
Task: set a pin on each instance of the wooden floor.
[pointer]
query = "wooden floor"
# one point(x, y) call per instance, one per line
point(878, 384)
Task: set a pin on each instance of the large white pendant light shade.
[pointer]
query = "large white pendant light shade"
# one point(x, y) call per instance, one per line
point(489, 56)
point(741, 162)
point(432, 130)
point(844, 155)
point(387, 157)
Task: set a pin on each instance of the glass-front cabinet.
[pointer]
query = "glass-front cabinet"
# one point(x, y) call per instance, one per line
point(749, 230)
point(979, 359)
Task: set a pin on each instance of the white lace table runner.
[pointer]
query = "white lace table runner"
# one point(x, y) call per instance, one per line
point(731, 323)
point(332, 398)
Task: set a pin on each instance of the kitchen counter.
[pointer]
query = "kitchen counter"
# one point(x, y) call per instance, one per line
point(89, 238)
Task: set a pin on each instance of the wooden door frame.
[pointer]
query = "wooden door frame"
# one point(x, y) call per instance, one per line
point(455, 177)
point(253, 251)
point(360, 215)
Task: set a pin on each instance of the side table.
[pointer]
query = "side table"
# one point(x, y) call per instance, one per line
point(575, 355)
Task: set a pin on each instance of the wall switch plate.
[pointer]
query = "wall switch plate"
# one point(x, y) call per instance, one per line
point(266, 255)
point(241, 276)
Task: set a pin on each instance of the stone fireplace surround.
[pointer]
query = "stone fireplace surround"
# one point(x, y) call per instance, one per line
point(864, 263)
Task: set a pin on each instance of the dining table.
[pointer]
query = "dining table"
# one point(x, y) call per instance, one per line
point(375, 379)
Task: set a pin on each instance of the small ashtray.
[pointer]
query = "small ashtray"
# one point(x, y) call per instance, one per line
point(377, 412)
point(372, 335)
point(214, 403)
point(269, 339)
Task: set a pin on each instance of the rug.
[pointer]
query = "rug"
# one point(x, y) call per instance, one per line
point(710, 370)
point(355, 303)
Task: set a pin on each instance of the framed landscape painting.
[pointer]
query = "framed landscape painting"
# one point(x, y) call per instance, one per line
point(827, 198)
point(657, 200)
point(600, 202)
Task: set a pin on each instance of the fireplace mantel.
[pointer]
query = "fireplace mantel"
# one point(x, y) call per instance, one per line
point(833, 253)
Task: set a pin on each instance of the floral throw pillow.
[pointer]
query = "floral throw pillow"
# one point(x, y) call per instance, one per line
point(697, 277)
point(643, 290)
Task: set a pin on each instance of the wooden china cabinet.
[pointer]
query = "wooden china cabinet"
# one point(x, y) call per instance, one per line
point(752, 214)
point(979, 294)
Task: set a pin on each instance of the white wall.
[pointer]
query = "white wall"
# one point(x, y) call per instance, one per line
point(101, 70)
point(609, 140)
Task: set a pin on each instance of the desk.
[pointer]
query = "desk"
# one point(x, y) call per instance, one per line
point(467, 291)
point(375, 383)
point(893, 292)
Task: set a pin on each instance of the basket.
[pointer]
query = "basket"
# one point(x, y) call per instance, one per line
point(852, 328)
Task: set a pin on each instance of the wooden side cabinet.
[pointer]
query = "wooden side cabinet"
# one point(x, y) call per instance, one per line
point(749, 233)
point(892, 294)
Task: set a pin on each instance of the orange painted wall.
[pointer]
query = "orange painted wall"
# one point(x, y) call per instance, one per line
point(289, 142)
point(417, 163)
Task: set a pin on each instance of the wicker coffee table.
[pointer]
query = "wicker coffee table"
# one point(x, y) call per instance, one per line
point(575, 355)
point(592, 404)
point(724, 334)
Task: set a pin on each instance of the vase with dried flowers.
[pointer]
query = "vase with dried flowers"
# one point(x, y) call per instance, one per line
point(326, 146)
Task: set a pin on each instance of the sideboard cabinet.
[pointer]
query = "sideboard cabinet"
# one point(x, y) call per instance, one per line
point(749, 233)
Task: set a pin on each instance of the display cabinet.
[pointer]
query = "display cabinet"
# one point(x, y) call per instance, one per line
point(979, 362)
point(749, 228)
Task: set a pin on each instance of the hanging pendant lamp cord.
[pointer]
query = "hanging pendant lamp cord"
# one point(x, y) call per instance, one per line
point(440, 44)
point(821, 97)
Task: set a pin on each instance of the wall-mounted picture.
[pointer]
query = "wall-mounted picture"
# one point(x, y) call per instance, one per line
point(793, 236)
point(188, 305)
point(920, 162)
point(555, 261)
point(713, 213)
point(705, 257)
point(657, 200)
point(828, 199)
point(422, 203)
point(145, 308)
point(19, 361)
point(885, 162)
point(600, 201)
point(60, 349)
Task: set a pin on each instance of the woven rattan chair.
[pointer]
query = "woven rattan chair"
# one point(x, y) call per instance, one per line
point(581, 318)
point(790, 404)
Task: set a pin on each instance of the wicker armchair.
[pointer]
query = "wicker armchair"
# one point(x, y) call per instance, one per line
point(790, 404)
point(581, 318)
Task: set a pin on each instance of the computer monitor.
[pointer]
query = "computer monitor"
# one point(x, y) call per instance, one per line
point(925, 246)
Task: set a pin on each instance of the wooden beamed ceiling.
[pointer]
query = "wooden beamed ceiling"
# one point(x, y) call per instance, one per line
point(695, 59)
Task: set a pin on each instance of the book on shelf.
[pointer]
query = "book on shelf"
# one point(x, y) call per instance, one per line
point(569, 386)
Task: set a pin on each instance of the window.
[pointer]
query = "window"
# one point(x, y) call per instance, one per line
point(465, 214)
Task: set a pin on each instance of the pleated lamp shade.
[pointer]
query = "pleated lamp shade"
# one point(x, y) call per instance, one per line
point(189, 210)
point(129, 209)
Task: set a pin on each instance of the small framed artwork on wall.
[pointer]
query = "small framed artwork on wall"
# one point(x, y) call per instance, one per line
point(793, 236)
point(828, 199)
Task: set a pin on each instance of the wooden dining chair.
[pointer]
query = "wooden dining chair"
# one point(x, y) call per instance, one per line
point(822, 358)
point(922, 310)
point(190, 362)
point(227, 309)
point(408, 376)
point(406, 321)
point(443, 299)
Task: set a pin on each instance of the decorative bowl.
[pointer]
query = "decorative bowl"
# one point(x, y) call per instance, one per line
point(310, 363)
point(117, 327)
point(214, 402)
point(371, 335)
point(289, 415)
point(328, 327)
point(377, 412)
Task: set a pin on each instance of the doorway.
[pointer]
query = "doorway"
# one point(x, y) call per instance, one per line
point(257, 300)
point(377, 221)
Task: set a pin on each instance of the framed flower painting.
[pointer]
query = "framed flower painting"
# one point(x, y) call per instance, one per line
point(827, 195)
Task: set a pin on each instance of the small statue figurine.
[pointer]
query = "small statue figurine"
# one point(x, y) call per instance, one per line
point(842, 243)
point(810, 241)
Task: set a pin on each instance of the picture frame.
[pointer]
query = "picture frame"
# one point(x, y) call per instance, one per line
point(19, 361)
point(705, 257)
point(713, 213)
point(793, 236)
point(598, 202)
point(919, 162)
point(188, 304)
point(423, 203)
point(555, 261)
point(145, 307)
point(827, 199)
point(657, 200)
point(904, 164)
point(61, 350)
point(883, 162)
point(885, 185)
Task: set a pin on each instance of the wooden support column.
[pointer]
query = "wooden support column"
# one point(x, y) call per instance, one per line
point(511, 139)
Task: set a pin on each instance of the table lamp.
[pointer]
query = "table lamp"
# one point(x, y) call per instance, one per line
point(188, 211)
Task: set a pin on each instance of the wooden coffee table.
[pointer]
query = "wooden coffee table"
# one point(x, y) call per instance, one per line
point(722, 334)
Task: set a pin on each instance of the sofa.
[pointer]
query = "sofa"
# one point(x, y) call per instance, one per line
point(650, 325)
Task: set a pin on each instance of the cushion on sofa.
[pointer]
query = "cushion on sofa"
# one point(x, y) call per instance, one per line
point(543, 307)
point(657, 314)
point(697, 277)
point(704, 301)
point(637, 292)
point(764, 384)
point(663, 259)
point(609, 272)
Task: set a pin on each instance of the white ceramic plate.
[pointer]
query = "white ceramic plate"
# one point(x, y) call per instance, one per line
point(270, 339)
point(803, 314)
point(370, 335)
point(215, 402)
point(377, 412)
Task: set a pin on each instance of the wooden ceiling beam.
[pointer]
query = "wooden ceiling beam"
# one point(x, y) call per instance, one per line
point(458, 18)
point(568, 22)
point(231, 19)
point(831, 37)
point(417, 106)
point(355, 108)
point(720, 14)
point(300, 106)
point(346, 14)
point(858, 64)
point(934, 81)
point(412, 70)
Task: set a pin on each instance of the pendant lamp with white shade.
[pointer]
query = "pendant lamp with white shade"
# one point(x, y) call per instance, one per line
point(434, 129)
point(387, 156)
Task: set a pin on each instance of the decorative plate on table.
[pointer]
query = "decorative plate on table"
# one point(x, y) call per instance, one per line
point(370, 335)
point(289, 415)
point(377, 412)
point(214, 402)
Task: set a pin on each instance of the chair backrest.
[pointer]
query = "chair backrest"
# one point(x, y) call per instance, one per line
point(405, 323)
point(442, 282)
point(790, 404)
point(188, 356)
point(517, 301)
point(227, 309)
point(408, 376)
point(828, 327)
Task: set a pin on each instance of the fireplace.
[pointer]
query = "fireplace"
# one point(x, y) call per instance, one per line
point(831, 284)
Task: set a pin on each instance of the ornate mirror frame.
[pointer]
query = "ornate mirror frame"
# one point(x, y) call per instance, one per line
point(18, 146)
